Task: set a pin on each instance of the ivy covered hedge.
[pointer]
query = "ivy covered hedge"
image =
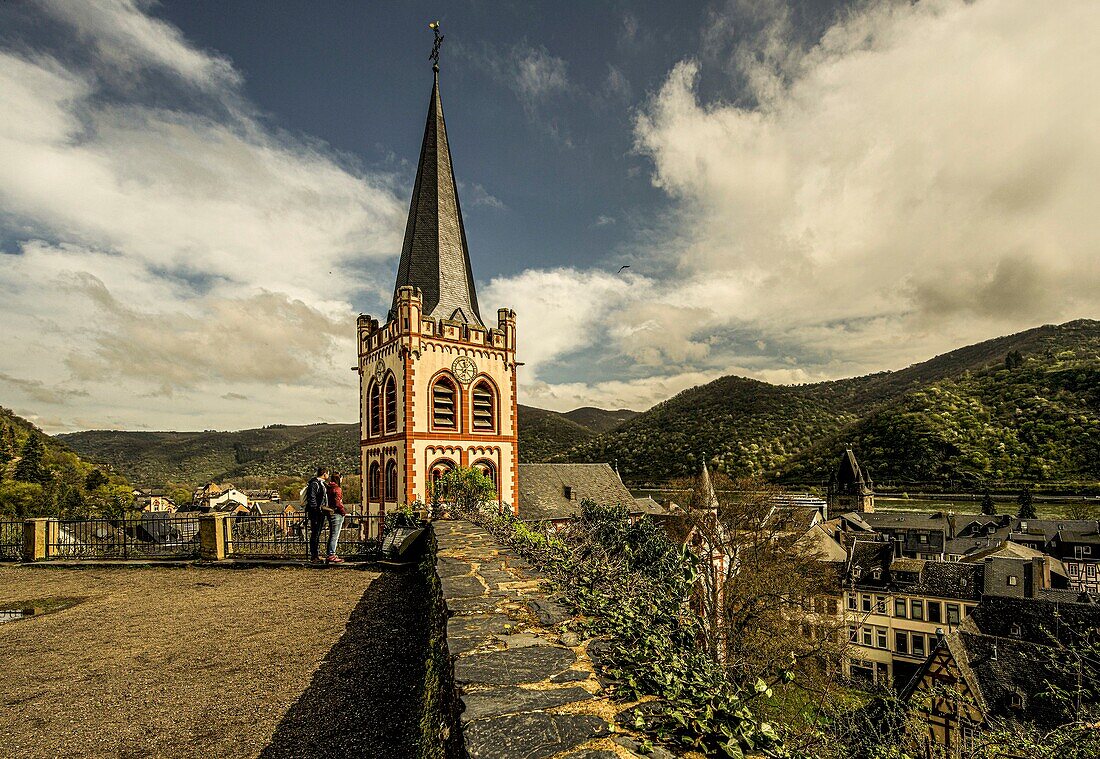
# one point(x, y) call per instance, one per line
point(631, 586)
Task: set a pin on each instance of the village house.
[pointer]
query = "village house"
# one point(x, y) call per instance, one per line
point(222, 498)
point(153, 501)
point(998, 663)
point(284, 514)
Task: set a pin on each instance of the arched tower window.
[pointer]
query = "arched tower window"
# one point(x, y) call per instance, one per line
point(489, 469)
point(391, 405)
point(438, 470)
point(375, 410)
point(445, 404)
point(374, 482)
point(391, 481)
point(484, 399)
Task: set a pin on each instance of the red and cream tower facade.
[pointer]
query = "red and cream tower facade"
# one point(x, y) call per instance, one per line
point(437, 384)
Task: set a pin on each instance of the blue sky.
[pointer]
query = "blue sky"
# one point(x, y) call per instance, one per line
point(196, 198)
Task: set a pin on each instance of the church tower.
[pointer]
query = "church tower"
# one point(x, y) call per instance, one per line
point(437, 385)
point(851, 487)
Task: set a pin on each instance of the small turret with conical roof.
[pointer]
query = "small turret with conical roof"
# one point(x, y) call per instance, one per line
point(850, 488)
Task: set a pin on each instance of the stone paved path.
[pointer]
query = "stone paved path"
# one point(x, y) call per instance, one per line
point(528, 694)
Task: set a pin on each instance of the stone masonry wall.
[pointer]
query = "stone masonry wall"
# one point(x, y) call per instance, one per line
point(529, 689)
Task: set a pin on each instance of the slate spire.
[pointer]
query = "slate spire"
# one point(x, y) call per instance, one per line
point(434, 256)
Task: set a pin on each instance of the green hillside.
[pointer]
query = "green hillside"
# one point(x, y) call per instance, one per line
point(157, 458)
point(191, 458)
point(40, 476)
point(954, 420)
point(958, 418)
point(1038, 421)
point(599, 420)
point(543, 434)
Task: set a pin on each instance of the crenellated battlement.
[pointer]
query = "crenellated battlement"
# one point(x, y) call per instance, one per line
point(408, 321)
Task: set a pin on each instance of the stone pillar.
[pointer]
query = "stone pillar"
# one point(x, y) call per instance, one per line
point(212, 536)
point(34, 539)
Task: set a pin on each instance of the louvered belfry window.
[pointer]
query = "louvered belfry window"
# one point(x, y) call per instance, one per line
point(391, 405)
point(375, 411)
point(444, 405)
point(484, 406)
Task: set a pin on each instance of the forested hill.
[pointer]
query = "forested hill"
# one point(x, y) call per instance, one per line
point(163, 459)
point(1021, 407)
point(40, 476)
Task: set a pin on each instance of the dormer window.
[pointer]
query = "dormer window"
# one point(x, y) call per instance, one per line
point(1017, 700)
point(877, 574)
point(1015, 631)
point(1013, 581)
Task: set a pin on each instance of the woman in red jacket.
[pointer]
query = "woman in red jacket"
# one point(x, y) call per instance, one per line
point(336, 518)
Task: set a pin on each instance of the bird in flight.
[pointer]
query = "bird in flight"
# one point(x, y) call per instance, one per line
point(624, 266)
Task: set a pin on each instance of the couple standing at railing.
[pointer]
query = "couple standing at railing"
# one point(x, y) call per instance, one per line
point(324, 502)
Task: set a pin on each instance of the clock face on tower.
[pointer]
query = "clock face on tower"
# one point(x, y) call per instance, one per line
point(379, 370)
point(465, 369)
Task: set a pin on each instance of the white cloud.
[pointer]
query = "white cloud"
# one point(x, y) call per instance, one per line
point(476, 195)
point(538, 74)
point(126, 38)
point(922, 178)
point(929, 163)
point(188, 253)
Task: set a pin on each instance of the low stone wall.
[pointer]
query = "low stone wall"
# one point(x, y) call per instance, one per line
point(529, 689)
point(441, 737)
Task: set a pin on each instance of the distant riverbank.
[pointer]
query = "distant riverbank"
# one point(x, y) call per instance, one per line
point(1047, 506)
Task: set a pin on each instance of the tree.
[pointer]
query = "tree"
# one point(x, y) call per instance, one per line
point(71, 504)
point(988, 507)
point(767, 597)
point(7, 448)
point(31, 468)
point(22, 500)
point(95, 479)
point(465, 489)
point(1027, 505)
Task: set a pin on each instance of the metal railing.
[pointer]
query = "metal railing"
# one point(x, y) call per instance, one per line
point(11, 541)
point(287, 536)
point(128, 538)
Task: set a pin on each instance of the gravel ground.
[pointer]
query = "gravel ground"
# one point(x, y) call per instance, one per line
point(172, 662)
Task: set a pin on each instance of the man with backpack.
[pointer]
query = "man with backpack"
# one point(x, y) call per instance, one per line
point(317, 510)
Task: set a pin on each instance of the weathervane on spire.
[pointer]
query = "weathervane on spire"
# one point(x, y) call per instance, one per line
point(434, 57)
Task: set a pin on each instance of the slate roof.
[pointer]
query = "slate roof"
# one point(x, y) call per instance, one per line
point(1055, 615)
point(868, 556)
point(797, 519)
point(849, 473)
point(999, 669)
point(434, 255)
point(1009, 550)
point(905, 520)
point(947, 579)
point(542, 489)
point(647, 505)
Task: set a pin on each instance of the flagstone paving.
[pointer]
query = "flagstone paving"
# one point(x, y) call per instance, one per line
point(528, 685)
